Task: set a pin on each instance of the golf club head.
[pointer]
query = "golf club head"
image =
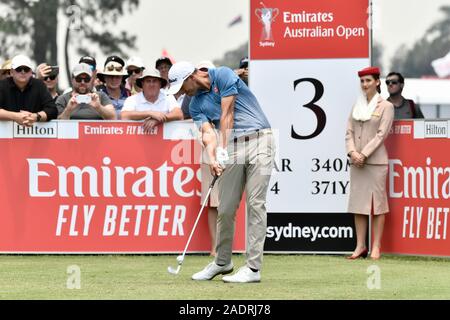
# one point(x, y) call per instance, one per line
point(173, 270)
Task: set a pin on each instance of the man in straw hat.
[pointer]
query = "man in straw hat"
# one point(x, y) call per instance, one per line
point(5, 70)
point(113, 76)
point(152, 104)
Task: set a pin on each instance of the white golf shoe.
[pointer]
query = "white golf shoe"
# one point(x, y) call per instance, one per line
point(212, 270)
point(243, 275)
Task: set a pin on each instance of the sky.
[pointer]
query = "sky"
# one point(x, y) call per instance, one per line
point(197, 30)
point(193, 30)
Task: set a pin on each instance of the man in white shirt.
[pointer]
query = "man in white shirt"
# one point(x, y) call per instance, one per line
point(152, 104)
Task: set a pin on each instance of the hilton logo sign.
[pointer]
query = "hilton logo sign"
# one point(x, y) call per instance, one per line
point(429, 129)
point(38, 131)
point(436, 129)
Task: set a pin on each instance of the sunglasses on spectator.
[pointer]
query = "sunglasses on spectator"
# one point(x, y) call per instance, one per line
point(393, 82)
point(83, 79)
point(204, 69)
point(112, 68)
point(23, 69)
point(50, 78)
point(135, 71)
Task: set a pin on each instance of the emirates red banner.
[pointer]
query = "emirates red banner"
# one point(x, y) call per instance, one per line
point(309, 29)
point(102, 187)
point(419, 189)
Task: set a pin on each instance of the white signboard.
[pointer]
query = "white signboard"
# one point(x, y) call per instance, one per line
point(308, 103)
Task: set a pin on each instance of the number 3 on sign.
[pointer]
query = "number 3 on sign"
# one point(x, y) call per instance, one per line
point(318, 111)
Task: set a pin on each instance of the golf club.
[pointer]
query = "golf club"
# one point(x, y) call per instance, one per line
point(180, 258)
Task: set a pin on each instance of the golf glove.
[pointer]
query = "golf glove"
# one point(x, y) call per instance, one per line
point(222, 157)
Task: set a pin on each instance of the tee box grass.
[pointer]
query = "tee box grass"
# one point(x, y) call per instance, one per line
point(284, 277)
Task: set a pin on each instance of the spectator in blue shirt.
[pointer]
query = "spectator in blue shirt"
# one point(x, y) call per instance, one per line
point(113, 76)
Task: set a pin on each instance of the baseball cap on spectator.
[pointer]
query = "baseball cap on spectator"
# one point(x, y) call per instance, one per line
point(90, 61)
point(149, 73)
point(135, 62)
point(82, 68)
point(21, 61)
point(205, 65)
point(179, 72)
point(243, 63)
point(162, 60)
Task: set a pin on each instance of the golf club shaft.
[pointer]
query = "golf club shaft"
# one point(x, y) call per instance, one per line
point(200, 213)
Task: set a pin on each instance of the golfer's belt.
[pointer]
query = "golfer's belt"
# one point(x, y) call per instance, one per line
point(252, 135)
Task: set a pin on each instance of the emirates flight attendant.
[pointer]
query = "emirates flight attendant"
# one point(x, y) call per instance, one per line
point(368, 126)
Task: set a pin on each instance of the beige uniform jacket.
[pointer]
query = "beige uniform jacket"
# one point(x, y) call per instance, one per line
point(368, 137)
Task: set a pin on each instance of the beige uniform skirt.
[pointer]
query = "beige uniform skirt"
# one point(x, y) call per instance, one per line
point(367, 184)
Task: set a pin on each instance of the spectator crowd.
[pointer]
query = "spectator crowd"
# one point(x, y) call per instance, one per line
point(120, 90)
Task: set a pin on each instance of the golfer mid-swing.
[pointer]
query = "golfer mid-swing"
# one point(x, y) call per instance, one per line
point(243, 156)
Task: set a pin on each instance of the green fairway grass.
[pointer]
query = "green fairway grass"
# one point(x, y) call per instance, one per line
point(287, 277)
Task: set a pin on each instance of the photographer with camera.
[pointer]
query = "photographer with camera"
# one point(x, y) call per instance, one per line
point(49, 74)
point(82, 103)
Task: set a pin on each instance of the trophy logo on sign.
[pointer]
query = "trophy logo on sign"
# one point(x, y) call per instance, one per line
point(267, 16)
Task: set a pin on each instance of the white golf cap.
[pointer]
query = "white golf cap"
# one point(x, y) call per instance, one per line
point(82, 68)
point(206, 64)
point(179, 72)
point(21, 61)
point(135, 62)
